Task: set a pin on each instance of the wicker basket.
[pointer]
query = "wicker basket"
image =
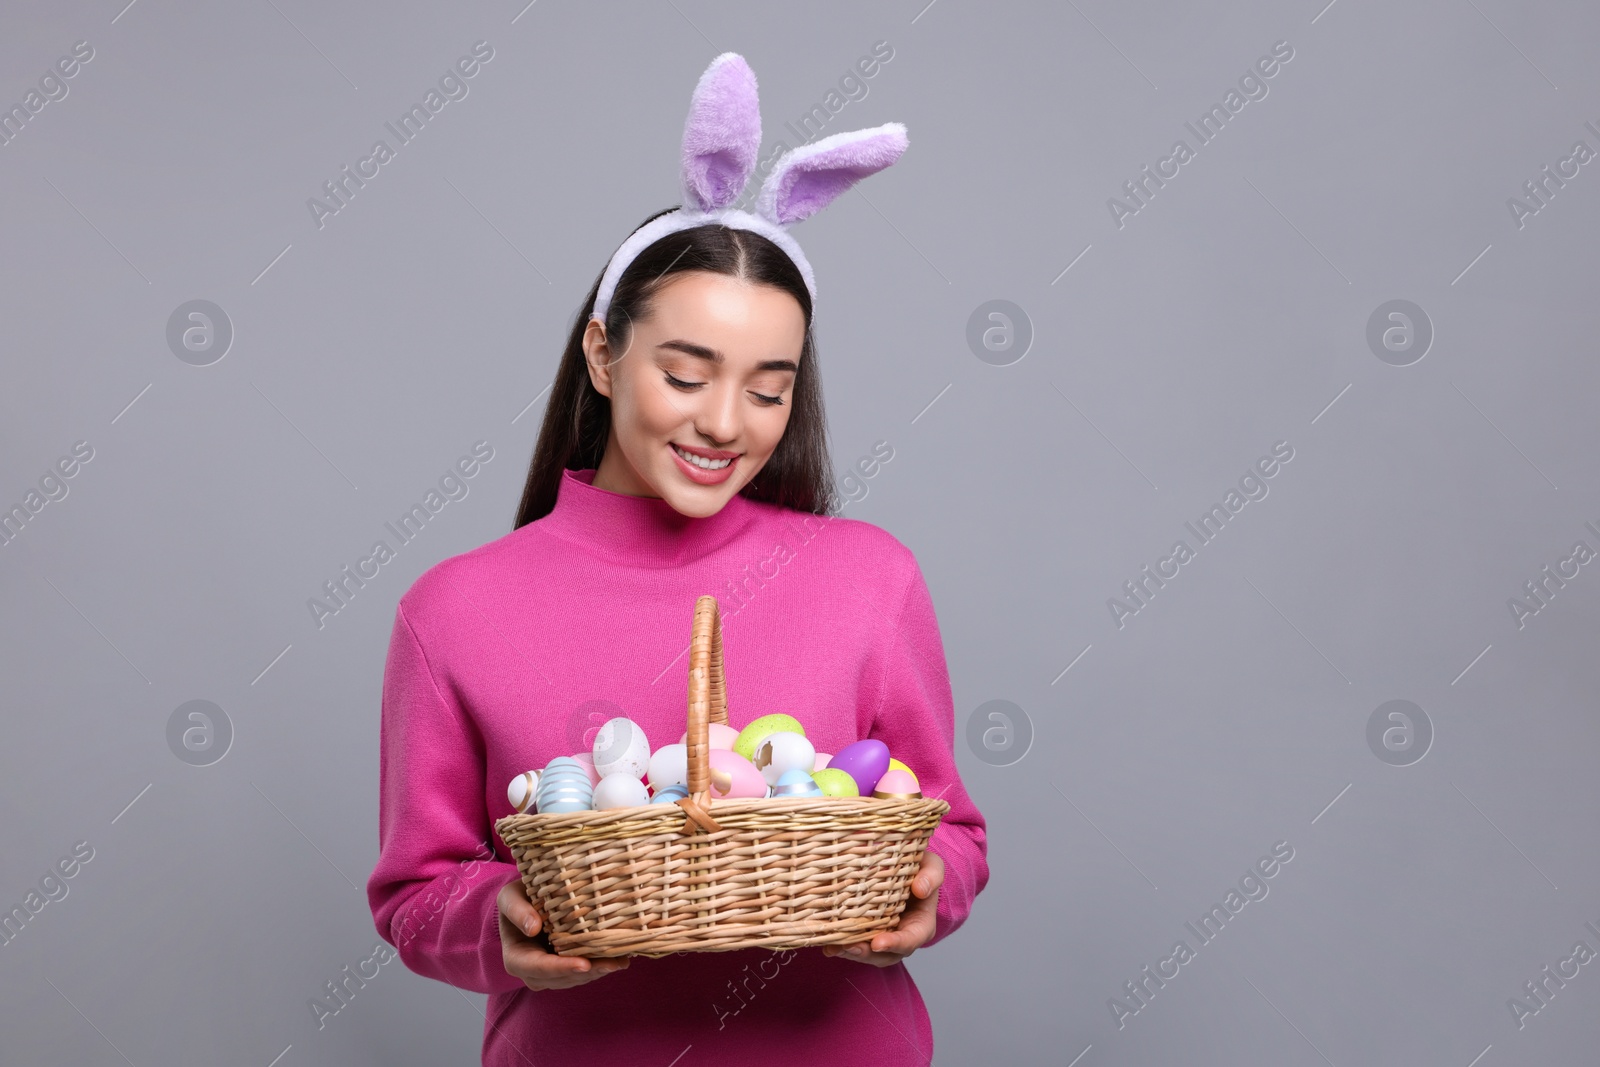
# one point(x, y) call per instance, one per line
point(709, 875)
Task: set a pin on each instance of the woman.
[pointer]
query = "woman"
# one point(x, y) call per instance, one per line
point(683, 451)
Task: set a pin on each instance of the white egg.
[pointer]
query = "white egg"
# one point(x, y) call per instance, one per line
point(621, 746)
point(620, 790)
point(523, 788)
point(783, 751)
point(669, 766)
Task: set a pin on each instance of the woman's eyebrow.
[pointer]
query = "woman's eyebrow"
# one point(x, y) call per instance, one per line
point(713, 356)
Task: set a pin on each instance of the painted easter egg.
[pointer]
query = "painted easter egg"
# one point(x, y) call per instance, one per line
point(865, 761)
point(564, 786)
point(835, 783)
point(562, 764)
point(752, 735)
point(522, 790)
point(796, 783)
point(564, 767)
point(896, 765)
point(670, 794)
point(734, 777)
point(620, 790)
point(719, 735)
point(897, 785)
point(823, 758)
point(783, 751)
point(669, 764)
point(621, 745)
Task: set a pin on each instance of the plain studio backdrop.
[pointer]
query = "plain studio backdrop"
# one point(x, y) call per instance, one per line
point(1369, 271)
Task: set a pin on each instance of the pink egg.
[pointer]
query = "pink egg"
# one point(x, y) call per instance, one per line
point(895, 780)
point(734, 777)
point(822, 761)
point(719, 735)
point(587, 759)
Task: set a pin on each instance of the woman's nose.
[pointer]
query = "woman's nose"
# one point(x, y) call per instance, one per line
point(718, 420)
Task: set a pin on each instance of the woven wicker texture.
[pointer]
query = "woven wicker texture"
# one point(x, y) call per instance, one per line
point(709, 875)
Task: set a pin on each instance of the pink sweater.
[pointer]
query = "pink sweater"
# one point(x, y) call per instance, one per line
point(507, 656)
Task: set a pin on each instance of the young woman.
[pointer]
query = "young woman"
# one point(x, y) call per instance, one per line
point(683, 452)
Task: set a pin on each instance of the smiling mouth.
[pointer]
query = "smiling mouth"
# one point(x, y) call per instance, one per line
point(700, 461)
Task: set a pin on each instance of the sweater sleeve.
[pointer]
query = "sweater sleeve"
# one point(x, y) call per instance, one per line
point(433, 891)
point(916, 719)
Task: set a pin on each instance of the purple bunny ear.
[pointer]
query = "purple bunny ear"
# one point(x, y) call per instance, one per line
point(722, 135)
point(810, 177)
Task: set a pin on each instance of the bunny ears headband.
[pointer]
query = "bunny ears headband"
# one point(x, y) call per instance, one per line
point(721, 139)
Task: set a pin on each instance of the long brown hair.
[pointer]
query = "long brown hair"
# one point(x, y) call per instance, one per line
point(577, 419)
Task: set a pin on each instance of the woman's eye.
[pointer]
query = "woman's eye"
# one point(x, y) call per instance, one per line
point(770, 401)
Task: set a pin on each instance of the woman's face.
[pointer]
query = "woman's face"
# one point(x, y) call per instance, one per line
point(701, 395)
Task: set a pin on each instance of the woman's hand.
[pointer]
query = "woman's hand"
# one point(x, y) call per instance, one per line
point(889, 947)
point(529, 958)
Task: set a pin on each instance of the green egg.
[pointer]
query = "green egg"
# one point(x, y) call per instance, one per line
point(752, 735)
point(835, 783)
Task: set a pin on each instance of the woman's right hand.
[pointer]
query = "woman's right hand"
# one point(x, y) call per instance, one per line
point(527, 957)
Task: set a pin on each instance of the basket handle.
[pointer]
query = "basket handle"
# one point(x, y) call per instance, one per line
point(708, 702)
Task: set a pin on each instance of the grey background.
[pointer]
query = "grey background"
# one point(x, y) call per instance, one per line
point(1228, 314)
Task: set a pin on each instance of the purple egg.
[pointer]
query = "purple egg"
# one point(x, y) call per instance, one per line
point(865, 761)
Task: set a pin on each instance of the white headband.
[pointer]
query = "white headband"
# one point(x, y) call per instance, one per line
point(683, 219)
point(721, 140)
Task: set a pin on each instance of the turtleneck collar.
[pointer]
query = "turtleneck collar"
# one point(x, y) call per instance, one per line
point(639, 530)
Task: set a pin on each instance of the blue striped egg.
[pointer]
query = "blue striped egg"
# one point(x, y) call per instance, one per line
point(670, 794)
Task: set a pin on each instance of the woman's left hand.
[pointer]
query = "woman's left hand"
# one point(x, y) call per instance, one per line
point(888, 947)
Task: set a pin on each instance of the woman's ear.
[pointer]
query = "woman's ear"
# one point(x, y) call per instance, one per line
point(598, 356)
